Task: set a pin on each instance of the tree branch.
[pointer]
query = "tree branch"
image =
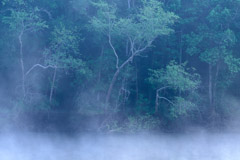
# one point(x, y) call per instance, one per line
point(39, 65)
point(162, 88)
point(47, 12)
point(166, 100)
point(114, 51)
point(143, 48)
point(110, 42)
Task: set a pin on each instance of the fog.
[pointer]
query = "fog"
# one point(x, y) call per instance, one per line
point(201, 146)
point(117, 68)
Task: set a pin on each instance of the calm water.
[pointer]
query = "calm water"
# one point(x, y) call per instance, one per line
point(26, 146)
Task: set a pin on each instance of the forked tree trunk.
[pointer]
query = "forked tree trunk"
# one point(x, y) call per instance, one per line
point(158, 97)
point(115, 76)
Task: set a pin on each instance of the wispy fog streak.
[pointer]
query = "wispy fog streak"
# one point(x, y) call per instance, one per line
point(145, 147)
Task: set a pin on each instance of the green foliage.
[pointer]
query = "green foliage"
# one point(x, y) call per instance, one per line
point(17, 2)
point(179, 79)
point(25, 20)
point(154, 20)
point(143, 105)
point(63, 50)
point(232, 63)
point(105, 19)
point(139, 123)
point(143, 27)
point(181, 108)
point(193, 41)
point(176, 77)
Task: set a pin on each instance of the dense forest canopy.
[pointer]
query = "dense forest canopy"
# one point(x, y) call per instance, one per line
point(137, 64)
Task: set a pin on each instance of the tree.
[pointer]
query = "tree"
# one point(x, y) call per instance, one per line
point(23, 19)
point(63, 53)
point(175, 78)
point(213, 41)
point(139, 29)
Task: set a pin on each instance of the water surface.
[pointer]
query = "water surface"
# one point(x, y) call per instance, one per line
point(32, 146)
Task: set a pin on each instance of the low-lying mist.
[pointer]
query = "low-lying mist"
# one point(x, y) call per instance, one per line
point(200, 146)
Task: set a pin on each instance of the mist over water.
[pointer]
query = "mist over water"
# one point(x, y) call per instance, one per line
point(203, 146)
point(114, 67)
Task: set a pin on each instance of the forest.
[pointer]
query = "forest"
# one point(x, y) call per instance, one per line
point(119, 66)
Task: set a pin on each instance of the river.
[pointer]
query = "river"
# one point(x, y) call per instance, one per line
point(198, 146)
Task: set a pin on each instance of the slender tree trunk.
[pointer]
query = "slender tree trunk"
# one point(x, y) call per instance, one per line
point(137, 89)
point(180, 56)
point(22, 63)
point(215, 86)
point(100, 72)
point(210, 89)
point(129, 4)
point(156, 101)
point(180, 48)
point(53, 85)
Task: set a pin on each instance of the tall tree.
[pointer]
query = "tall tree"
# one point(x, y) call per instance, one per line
point(22, 19)
point(214, 40)
point(140, 29)
point(63, 53)
point(173, 79)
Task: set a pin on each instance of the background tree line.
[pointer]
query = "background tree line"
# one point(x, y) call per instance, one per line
point(143, 64)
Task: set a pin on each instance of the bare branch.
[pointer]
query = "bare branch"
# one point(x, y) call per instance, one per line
point(139, 55)
point(47, 12)
point(169, 101)
point(162, 88)
point(142, 49)
point(41, 66)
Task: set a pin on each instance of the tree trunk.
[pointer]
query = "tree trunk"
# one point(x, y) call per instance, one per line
point(215, 85)
point(129, 4)
point(100, 72)
point(137, 89)
point(115, 78)
point(210, 89)
point(180, 48)
point(22, 63)
point(158, 97)
point(156, 101)
point(52, 86)
point(111, 86)
point(180, 56)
